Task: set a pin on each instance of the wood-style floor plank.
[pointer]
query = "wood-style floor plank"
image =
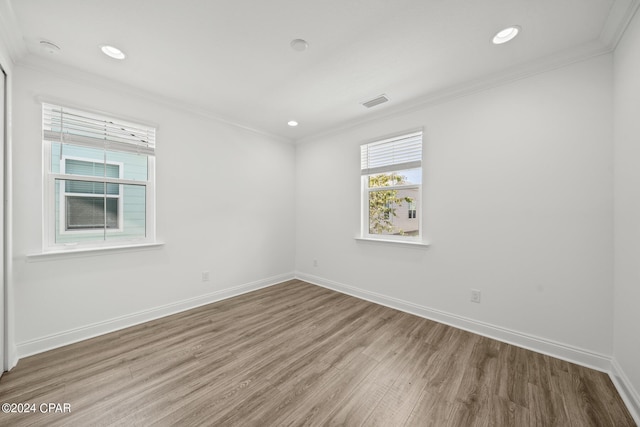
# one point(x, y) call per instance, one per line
point(297, 354)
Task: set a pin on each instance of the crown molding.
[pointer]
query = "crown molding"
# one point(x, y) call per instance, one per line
point(618, 19)
point(10, 33)
point(620, 15)
point(75, 75)
point(469, 87)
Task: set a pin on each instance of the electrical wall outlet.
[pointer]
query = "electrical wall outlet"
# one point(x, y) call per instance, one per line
point(315, 262)
point(475, 296)
point(205, 276)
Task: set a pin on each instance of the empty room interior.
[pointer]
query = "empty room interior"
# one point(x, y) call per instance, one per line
point(330, 212)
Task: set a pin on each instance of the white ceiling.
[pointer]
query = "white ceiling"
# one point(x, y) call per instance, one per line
point(232, 59)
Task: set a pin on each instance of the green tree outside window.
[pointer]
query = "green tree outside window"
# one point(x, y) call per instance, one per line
point(384, 202)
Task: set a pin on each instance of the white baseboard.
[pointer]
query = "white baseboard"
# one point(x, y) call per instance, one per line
point(49, 342)
point(562, 351)
point(566, 352)
point(572, 354)
point(628, 393)
point(12, 359)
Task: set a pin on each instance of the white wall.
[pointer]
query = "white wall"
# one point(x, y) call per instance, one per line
point(224, 204)
point(518, 204)
point(627, 210)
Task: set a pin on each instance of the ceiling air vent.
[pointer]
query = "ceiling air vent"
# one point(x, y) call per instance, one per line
point(376, 101)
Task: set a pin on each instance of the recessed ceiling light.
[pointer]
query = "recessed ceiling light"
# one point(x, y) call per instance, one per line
point(292, 123)
point(49, 47)
point(506, 35)
point(112, 52)
point(299, 45)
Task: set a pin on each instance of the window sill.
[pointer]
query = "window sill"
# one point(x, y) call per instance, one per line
point(412, 243)
point(95, 251)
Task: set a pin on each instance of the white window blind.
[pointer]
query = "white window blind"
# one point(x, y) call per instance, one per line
point(71, 126)
point(399, 153)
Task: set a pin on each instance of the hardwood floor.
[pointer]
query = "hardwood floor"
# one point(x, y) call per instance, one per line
point(298, 354)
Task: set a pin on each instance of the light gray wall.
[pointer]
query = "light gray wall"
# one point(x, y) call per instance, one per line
point(627, 208)
point(518, 198)
point(224, 205)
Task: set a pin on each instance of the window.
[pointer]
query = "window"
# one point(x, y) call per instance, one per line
point(100, 180)
point(391, 171)
point(412, 210)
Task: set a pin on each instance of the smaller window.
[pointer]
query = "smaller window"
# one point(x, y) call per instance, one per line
point(88, 206)
point(412, 210)
point(387, 211)
point(89, 213)
point(391, 172)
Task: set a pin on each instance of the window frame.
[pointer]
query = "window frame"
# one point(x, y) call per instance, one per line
point(366, 190)
point(49, 244)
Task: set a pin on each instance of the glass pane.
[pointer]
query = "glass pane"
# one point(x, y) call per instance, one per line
point(402, 177)
point(133, 224)
point(87, 187)
point(84, 213)
point(91, 168)
point(134, 166)
point(80, 160)
point(394, 212)
point(63, 153)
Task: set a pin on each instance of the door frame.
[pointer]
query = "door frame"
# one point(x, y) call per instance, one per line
point(4, 361)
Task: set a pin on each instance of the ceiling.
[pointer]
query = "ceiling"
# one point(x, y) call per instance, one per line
point(232, 59)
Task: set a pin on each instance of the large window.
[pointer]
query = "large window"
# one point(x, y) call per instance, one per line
point(391, 172)
point(99, 188)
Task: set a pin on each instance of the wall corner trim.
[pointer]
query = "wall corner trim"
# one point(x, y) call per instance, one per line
point(629, 394)
point(552, 348)
point(39, 345)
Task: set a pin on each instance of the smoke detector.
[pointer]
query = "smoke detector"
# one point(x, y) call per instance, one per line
point(49, 47)
point(299, 45)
